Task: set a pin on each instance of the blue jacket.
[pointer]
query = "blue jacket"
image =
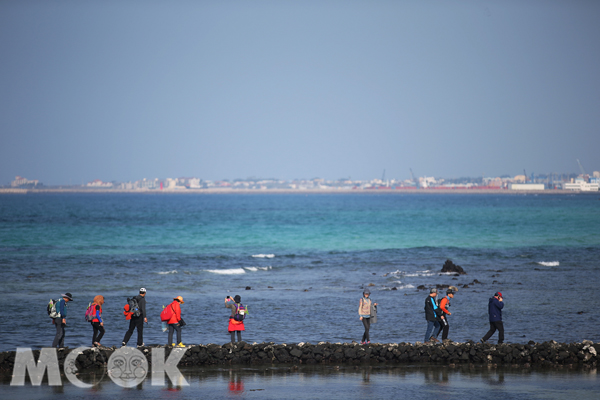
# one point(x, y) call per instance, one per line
point(61, 307)
point(495, 309)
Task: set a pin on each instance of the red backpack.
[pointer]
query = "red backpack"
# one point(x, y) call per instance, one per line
point(166, 313)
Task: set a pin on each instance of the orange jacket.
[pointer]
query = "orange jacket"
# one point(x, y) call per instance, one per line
point(443, 303)
point(176, 316)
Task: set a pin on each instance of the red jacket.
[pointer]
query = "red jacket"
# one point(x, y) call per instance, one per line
point(176, 316)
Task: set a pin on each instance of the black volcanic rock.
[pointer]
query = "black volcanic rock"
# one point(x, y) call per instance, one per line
point(449, 266)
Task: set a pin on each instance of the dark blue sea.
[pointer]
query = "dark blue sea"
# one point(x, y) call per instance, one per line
point(304, 260)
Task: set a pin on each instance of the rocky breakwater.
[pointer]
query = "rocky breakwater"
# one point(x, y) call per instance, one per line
point(547, 354)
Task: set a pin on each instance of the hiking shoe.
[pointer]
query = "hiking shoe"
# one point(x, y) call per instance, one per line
point(172, 344)
point(369, 342)
point(433, 340)
point(123, 344)
point(141, 345)
point(481, 340)
point(179, 345)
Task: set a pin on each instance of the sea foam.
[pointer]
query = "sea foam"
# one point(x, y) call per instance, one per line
point(549, 263)
point(263, 255)
point(233, 271)
point(167, 272)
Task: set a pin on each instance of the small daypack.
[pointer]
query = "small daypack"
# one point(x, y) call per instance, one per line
point(240, 312)
point(51, 308)
point(90, 313)
point(134, 307)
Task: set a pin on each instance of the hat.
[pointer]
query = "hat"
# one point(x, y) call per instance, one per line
point(237, 298)
point(498, 294)
point(179, 298)
point(143, 290)
point(67, 295)
point(432, 290)
point(366, 291)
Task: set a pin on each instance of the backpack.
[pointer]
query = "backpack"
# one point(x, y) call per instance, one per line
point(240, 312)
point(166, 313)
point(51, 308)
point(134, 307)
point(90, 313)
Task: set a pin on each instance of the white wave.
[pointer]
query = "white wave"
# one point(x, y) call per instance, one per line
point(549, 263)
point(421, 273)
point(167, 272)
point(408, 286)
point(263, 255)
point(233, 271)
point(254, 269)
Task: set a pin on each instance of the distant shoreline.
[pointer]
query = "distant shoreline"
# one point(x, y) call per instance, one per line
point(291, 191)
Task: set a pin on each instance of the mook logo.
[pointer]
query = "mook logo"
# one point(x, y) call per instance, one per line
point(127, 367)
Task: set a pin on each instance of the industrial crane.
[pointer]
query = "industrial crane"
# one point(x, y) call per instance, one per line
point(413, 178)
point(581, 168)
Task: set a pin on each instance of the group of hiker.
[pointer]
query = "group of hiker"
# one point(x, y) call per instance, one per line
point(436, 315)
point(135, 312)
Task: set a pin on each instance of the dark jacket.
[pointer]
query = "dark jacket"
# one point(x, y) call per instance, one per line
point(495, 309)
point(430, 309)
point(142, 304)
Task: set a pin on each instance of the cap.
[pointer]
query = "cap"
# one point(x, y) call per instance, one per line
point(433, 290)
point(498, 294)
point(67, 295)
point(366, 291)
point(179, 298)
point(143, 290)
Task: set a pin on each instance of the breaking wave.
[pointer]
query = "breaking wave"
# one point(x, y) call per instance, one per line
point(254, 269)
point(549, 263)
point(233, 271)
point(167, 272)
point(263, 255)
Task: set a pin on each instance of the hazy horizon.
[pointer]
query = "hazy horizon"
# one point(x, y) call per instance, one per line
point(297, 90)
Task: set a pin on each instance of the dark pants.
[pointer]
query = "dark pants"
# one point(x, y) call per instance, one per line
point(98, 332)
point(59, 339)
point(367, 323)
point(239, 335)
point(445, 328)
point(133, 324)
point(493, 326)
point(177, 328)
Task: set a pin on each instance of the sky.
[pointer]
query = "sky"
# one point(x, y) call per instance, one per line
point(126, 90)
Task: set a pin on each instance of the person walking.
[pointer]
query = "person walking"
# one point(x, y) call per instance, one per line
point(174, 321)
point(432, 313)
point(97, 323)
point(495, 306)
point(444, 305)
point(61, 321)
point(236, 319)
point(137, 322)
point(366, 310)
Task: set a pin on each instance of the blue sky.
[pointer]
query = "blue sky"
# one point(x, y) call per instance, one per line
point(122, 91)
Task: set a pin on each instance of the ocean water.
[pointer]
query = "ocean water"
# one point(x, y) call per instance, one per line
point(337, 383)
point(305, 259)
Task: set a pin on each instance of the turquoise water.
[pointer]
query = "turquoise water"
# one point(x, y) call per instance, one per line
point(306, 259)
